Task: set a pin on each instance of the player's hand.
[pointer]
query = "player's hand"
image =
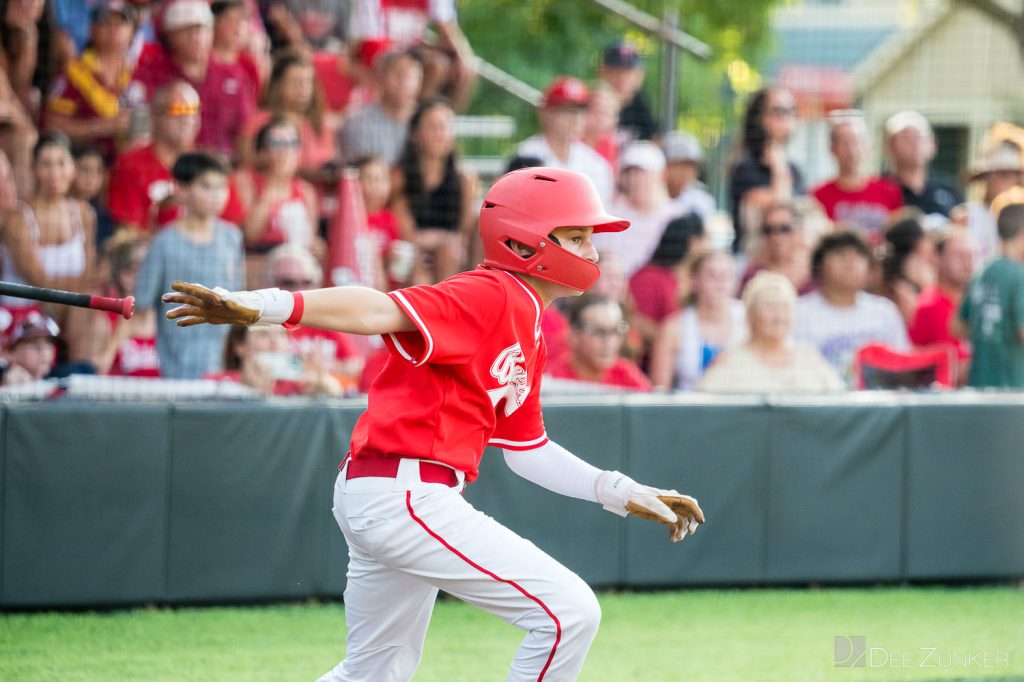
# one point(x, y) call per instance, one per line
point(679, 512)
point(621, 495)
point(202, 305)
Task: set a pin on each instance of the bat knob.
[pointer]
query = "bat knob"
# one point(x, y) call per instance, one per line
point(128, 307)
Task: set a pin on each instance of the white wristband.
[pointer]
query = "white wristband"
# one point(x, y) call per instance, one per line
point(612, 490)
point(274, 305)
point(278, 305)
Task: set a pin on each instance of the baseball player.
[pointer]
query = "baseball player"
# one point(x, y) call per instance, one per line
point(464, 370)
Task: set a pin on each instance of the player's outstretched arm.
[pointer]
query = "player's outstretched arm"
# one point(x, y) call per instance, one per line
point(356, 310)
point(553, 467)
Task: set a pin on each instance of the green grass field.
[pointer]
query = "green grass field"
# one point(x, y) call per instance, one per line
point(700, 635)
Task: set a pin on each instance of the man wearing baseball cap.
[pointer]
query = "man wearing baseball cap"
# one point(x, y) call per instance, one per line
point(185, 30)
point(643, 201)
point(622, 68)
point(558, 144)
point(910, 145)
point(684, 159)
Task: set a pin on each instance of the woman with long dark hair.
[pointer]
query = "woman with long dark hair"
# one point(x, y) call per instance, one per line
point(713, 320)
point(908, 263)
point(49, 240)
point(762, 174)
point(291, 92)
point(432, 197)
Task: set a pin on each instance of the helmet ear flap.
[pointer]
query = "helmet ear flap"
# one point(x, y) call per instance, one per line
point(524, 251)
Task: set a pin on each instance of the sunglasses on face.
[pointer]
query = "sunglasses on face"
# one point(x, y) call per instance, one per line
point(769, 230)
point(782, 111)
point(605, 332)
point(289, 143)
point(288, 283)
point(182, 109)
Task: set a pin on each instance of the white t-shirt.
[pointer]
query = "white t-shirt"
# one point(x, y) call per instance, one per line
point(837, 333)
point(984, 234)
point(635, 246)
point(582, 159)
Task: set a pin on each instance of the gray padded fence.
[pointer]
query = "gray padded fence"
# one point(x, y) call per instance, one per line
point(115, 504)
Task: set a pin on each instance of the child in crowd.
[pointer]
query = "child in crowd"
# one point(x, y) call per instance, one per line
point(90, 185)
point(131, 345)
point(397, 255)
point(31, 349)
point(197, 248)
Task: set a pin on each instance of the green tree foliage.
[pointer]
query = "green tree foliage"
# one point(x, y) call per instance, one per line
point(536, 40)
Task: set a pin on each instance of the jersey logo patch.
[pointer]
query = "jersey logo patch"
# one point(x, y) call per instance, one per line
point(509, 368)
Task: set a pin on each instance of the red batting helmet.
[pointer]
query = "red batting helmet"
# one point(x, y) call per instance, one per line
point(525, 206)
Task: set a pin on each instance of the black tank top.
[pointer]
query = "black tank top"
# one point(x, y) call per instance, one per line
point(440, 208)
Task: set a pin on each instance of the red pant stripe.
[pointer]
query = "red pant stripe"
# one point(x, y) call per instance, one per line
point(558, 625)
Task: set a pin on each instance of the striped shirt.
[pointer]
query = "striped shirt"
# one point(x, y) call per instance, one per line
point(173, 255)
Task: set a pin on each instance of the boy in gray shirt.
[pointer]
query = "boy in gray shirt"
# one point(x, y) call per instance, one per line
point(198, 248)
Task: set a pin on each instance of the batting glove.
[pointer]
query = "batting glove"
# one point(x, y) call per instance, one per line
point(202, 305)
point(622, 495)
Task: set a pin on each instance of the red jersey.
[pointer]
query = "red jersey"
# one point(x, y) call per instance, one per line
point(930, 324)
point(139, 183)
point(623, 374)
point(79, 93)
point(469, 377)
point(866, 210)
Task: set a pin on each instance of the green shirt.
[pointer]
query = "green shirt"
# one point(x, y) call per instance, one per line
point(994, 311)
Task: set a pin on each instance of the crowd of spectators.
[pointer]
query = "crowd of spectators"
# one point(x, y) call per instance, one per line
point(143, 142)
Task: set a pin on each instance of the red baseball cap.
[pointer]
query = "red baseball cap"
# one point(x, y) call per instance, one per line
point(372, 48)
point(566, 91)
point(34, 326)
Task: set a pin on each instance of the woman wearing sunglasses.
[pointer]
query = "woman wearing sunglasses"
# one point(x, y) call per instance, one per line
point(279, 206)
point(781, 247)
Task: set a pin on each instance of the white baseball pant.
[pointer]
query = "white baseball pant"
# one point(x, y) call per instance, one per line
point(407, 539)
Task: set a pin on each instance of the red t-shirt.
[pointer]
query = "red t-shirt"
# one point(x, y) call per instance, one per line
point(608, 147)
point(326, 343)
point(385, 224)
point(469, 377)
point(655, 292)
point(136, 357)
point(866, 210)
point(930, 324)
point(555, 328)
point(139, 182)
point(623, 374)
point(336, 84)
point(226, 95)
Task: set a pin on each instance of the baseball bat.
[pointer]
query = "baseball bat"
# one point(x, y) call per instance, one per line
point(123, 306)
